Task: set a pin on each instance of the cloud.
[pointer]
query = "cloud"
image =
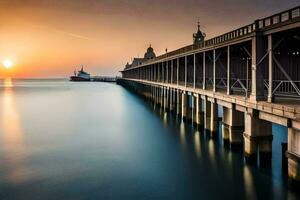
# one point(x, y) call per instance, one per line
point(74, 35)
point(66, 33)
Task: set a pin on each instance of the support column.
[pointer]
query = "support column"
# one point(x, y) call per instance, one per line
point(194, 108)
point(293, 152)
point(155, 95)
point(198, 114)
point(214, 118)
point(179, 100)
point(190, 109)
point(257, 87)
point(171, 100)
point(206, 113)
point(211, 116)
point(233, 127)
point(185, 106)
point(257, 138)
point(175, 100)
point(270, 49)
point(158, 95)
point(151, 93)
point(166, 98)
point(162, 97)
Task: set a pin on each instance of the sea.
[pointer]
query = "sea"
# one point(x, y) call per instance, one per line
point(93, 140)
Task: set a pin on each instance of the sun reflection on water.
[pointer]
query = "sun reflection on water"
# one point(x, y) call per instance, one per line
point(197, 144)
point(182, 131)
point(249, 184)
point(12, 134)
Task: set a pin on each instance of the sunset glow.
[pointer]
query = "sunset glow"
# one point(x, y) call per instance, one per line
point(7, 63)
point(52, 38)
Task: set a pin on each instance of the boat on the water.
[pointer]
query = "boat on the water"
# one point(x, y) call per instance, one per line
point(81, 75)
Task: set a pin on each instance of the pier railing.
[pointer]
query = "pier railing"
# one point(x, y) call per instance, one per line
point(284, 88)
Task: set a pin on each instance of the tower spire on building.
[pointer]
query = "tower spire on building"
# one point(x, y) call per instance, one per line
point(199, 35)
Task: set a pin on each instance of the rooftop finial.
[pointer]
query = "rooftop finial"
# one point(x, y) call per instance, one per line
point(198, 24)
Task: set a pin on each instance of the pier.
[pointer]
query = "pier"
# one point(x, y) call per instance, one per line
point(103, 79)
point(252, 72)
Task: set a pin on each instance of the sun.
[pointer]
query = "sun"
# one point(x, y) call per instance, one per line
point(7, 63)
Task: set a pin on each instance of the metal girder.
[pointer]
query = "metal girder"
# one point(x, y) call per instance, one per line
point(238, 81)
point(247, 51)
point(216, 58)
point(274, 47)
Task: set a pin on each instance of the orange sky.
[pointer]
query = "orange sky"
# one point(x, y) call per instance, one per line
point(49, 38)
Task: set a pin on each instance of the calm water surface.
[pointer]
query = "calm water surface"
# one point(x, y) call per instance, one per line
point(63, 140)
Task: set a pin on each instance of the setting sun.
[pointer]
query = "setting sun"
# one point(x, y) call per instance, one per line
point(7, 63)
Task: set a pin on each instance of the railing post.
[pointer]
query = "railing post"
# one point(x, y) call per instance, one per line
point(270, 49)
point(214, 70)
point(185, 71)
point(203, 82)
point(228, 71)
point(194, 70)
